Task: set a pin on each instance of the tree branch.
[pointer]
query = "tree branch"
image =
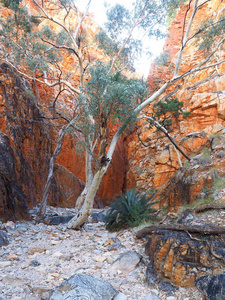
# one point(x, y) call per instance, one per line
point(185, 38)
point(57, 22)
point(45, 79)
point(61, 47)
point(163, 129)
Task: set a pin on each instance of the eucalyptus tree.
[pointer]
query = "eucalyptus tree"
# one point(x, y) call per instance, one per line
point(103, 96)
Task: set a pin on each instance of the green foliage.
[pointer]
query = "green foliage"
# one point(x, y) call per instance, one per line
point(129, 210)
point(108, 98)
point(23, 44)
point(205, 157)
point(118, 20)
point(111, 47)
point(218, 184)
point(210, 193)
point(164, 209)
point(156, 13)
point(217, 139)
point(106, 44)
point(13, 4)
point(150, 18)
point(162, 59)
point(174, 6)
point(210, 31)
point(186, 164)
point(166, 111)
point(29, 94)
point(220, 296)
point(214, 173)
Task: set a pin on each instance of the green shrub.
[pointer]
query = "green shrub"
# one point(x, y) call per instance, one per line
point(129, 210)
point(220, 297)
point(218, 184)
point(10, 3)
point(205, 158)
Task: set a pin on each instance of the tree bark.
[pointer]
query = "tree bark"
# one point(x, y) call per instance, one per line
point(42, 210)
point(89, 179)
point(210, 229)
point(79, 219)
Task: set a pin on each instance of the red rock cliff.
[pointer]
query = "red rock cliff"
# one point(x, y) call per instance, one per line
point(32, 139)
point(202, 94)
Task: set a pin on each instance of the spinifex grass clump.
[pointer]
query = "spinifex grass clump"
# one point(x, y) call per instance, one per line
point(129, 210)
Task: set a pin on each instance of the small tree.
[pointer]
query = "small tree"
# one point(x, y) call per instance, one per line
point(105, 84)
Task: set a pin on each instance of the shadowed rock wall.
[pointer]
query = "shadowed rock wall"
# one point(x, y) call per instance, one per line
point(32, 141)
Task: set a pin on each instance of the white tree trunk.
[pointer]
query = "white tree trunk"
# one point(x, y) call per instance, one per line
point(86, 210)
point(42, 210)
point(89, 179)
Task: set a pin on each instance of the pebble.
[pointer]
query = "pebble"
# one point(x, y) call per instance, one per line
point(33, 250)
point(4, 264)
point(54, 242)
point(13, 257)
point(57, 254)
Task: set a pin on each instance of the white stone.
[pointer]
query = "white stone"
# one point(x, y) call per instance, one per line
point(100, 259)
point(120, 296)
point(57, 254)
point(53, 242)
point(4, 264)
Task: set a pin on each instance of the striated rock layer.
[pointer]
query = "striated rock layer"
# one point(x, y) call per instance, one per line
point(202, 94)
point(182, 258)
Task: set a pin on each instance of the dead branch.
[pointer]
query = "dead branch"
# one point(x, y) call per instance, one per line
point(209, 229)
point(209, 206)
point(163, 129)
point(45, 79)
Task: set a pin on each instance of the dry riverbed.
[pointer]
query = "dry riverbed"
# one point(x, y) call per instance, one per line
point(40, 257)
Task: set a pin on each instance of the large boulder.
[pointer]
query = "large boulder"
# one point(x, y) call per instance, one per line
point(182, 259)
point(212, 287)
point(127, 261)
point(81, 286)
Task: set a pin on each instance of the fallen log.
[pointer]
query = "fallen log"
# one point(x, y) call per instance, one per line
point(209, 206)
point(204, 229)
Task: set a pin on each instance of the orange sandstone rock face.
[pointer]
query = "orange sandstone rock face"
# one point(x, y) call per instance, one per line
point(33, 140)
point(202, 94)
